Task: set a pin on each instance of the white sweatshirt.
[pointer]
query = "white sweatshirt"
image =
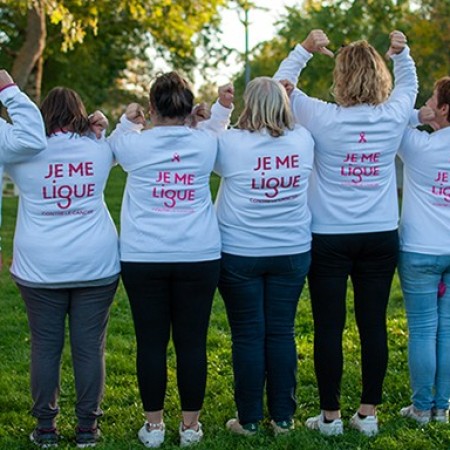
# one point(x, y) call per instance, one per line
point(261, 204)
point(26, 136)
point(64, 232)
point(167, 213)
point(425, 219)
point(352, 186)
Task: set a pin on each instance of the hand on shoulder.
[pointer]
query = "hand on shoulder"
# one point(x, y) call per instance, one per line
point(5, 79)
point(135, 113)
point(98, 122)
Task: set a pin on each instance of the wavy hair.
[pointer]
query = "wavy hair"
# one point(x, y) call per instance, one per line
point(63, 109)
point(266, 106)
point(171, 96)
point(360, 76)
point(442, 87)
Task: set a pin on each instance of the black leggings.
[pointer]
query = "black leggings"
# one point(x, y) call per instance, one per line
point(370, 260)
point(164, 296)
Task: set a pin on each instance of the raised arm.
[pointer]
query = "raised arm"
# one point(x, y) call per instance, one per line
point(220, 111)
point(291, 67)
point(304, 108)
point(129, 128)
point(405, 76)
point(25, 137)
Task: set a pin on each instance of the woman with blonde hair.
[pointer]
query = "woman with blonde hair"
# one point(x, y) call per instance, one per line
point(354, 210)
point(264, 222)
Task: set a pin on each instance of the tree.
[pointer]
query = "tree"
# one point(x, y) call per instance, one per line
point(425, 23)
point(174, 27)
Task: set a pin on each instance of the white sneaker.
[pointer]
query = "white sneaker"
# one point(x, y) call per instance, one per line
point(333, 428)
point(439, 415)
point(422, 417)
point(367, 426)
point(152, 434)
point(190, 436)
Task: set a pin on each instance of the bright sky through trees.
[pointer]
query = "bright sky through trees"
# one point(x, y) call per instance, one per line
point(262, 27)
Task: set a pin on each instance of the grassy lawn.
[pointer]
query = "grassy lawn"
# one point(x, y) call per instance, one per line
point(123, 413)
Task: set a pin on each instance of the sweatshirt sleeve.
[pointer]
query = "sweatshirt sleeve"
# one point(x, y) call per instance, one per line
point(413, 141)
point(406, 84)
point(306, 109)
point(25, 137)
point(291, 67)
point(414, 120)
point(120, 140)
point(219, 120)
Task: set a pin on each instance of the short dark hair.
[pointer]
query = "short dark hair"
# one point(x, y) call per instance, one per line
point(442, 87)
point(63, 108)
point(171, 96)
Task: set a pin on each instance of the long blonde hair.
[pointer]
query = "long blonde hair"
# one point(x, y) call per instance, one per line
point(360, 76)
point(266, 107)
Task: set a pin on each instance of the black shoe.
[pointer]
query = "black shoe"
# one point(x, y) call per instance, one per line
point(87, 437)
point(45, 438)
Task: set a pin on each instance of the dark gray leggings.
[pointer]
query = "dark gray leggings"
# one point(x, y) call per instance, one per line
point(88, 312)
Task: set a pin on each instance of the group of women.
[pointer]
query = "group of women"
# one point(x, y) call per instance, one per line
point(307, 190)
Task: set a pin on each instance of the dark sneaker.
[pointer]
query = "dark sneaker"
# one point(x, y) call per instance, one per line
point(45, 438)
point(87, 437)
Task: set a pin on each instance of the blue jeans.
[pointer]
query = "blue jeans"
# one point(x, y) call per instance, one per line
point(429, 327)
point(261, 296)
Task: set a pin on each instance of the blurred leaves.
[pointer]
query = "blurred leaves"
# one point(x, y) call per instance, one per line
point(425, 23)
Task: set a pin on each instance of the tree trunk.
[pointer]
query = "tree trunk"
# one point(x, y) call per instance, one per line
point(33, 47)
point(38, 80)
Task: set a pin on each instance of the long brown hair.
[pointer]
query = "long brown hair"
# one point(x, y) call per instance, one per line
point(360, 76)
point(63, 109)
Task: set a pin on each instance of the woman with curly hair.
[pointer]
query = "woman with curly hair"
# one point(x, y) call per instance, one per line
point(353, 200)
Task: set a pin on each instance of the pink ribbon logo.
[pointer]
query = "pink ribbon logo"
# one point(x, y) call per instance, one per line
point(362, 138)
point(176, 157)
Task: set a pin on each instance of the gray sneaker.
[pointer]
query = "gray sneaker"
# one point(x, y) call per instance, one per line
point(282, 427)
point(410, 412)
point(439, 415)
point(249, 429)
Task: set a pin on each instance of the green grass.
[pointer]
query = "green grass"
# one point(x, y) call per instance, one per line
point(121, 405)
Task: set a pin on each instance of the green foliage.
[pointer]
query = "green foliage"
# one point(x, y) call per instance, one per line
point(425, 23)
point(115, 36)
point(123, 412)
